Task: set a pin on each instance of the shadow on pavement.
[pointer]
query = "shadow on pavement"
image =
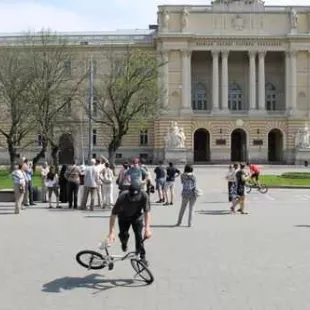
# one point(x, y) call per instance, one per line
point(213, 212)
point(302, 226)
point(214, 202)
point(94, 281)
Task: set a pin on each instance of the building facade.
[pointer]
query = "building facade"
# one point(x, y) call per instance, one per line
point(236, 78)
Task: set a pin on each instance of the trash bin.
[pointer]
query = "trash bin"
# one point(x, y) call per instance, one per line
point(37, 194)
point(306, 163)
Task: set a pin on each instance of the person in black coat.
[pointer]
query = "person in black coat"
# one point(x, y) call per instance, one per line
point(63, 185)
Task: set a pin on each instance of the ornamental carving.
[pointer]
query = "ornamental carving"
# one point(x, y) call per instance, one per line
point(238, 23)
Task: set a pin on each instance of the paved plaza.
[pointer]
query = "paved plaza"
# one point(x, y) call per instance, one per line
point(225, 262)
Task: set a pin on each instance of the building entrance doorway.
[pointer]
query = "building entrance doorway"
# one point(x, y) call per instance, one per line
point(202, 145)
point(275, 145)
point(238, 145)
point(66, 149)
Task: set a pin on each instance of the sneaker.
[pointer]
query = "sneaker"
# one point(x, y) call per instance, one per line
point(166, 204)
point(124, 247)
point(59, 207)
point(33, 204)
point(171, 203)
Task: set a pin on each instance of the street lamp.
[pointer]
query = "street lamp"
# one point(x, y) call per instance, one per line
point(90, 107)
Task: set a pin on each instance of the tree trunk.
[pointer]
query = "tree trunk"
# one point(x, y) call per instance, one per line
point(55, 150)
point(113, 147)
point(40, 155)
point(12, 154)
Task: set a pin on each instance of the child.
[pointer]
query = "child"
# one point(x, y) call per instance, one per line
point(52, 187)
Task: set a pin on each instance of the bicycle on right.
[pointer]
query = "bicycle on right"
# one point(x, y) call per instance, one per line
point(262, 188)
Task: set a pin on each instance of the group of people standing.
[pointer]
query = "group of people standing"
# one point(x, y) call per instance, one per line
point(95, 179)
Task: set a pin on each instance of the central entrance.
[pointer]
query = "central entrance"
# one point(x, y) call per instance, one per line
point(275, 145)
point(238, 145)
point(202, 145)
point(66, 149)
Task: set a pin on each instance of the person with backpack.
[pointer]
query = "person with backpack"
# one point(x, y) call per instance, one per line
point(108, 186)
point(189, 197)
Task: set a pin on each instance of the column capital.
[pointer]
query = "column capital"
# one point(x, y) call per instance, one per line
point(252, 53)
point(215, 53)
point(164, 54)
point(225, 54)
point(290, 53)
point(186, 53)
point(262, 54)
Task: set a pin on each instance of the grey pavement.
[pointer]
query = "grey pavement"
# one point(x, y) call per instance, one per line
point(225, 262)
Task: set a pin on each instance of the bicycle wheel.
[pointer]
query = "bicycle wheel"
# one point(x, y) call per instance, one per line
point(248, 188)
point(90, 259)
point(142, 271)
point(263, 189)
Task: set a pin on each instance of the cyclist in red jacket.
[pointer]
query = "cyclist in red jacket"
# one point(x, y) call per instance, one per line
point(255, 173)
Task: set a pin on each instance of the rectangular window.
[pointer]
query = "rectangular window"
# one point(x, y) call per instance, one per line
point(144, 156)
point(144, 137)
point(67, 68)
point(94, 137)
point(118, 155)
point(94, 155)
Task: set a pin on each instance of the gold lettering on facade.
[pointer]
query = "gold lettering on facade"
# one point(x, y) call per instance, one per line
point(239, 42)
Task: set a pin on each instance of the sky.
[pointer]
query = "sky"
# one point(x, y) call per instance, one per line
point(89, 15)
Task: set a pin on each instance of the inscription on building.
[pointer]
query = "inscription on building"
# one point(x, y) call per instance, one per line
point(239, 43)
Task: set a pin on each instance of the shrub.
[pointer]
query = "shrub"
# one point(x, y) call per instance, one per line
point(296, 175)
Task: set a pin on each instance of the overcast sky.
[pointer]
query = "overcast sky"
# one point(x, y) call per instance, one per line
point(89, 15)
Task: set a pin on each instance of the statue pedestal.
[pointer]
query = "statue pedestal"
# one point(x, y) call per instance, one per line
point(302, 155)
point(176, 156)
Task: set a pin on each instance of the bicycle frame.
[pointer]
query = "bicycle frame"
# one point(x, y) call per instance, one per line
point(116, 258)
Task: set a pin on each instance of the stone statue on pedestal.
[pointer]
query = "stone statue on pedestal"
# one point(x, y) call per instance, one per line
point(184, 20)
point(166, 18)
point(293, 19)
point(302, 139)
point(175, 138)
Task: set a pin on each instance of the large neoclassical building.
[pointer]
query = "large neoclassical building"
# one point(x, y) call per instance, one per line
point(237, 79)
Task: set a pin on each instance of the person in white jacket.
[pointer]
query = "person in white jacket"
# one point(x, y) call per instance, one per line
point(108, 177)
point(91, 182)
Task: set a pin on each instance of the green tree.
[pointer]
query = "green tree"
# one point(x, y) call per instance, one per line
point(16, 116)
point(126, 92)
point(55, 87)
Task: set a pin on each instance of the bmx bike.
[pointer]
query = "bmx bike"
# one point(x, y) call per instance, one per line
point(94, 260)
point(262, 188)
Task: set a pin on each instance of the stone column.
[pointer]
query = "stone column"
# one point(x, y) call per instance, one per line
point(287, 81)
point(293, 83)
point(165, 77)
point(309, 22)
point(215, 80)
point(261, 81)
point(225, 80)
point(252, 82)
point(186, 81)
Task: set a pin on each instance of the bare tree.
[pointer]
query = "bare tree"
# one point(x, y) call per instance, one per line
point(54, 89)
point(125, 93)
point(17, 115)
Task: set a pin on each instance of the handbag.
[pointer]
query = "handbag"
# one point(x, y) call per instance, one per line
point(198, 192)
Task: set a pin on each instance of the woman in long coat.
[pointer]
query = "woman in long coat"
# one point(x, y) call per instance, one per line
point(63, 185)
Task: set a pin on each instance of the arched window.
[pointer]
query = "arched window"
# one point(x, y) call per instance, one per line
point(271, 97)
point(235, 97)
point(199, 97)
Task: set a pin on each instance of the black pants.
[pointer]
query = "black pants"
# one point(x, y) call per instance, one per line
point(30, 192)
point(230, 196)
point(73, 190)
point(137, 227)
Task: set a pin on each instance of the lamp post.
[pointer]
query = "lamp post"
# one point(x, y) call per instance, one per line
point(90, 107)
